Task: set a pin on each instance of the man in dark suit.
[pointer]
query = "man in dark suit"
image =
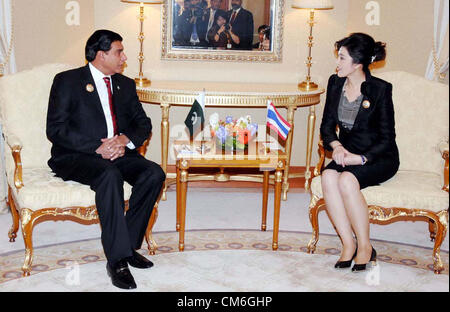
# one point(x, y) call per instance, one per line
point(241, 24)
point(190, 27)
point(95, 123)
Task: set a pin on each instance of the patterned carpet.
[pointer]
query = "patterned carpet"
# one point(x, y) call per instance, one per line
point(56, 257)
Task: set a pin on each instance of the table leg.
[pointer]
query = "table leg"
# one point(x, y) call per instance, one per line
point(164, 141)
point(290, 120)
point(183, 184)
point(265, 199)
point(178, 196)
point(277, 203)
point(309, 143)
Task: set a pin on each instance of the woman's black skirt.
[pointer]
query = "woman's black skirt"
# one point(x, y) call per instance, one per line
point(369, 174)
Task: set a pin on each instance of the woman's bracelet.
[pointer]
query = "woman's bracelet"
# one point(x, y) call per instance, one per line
point(364, 160)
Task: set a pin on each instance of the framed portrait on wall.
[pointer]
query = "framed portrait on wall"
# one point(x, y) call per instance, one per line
point(224, 30)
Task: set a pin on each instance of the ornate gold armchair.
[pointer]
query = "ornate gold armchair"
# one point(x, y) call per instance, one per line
point(419, 190)
point(34, 193)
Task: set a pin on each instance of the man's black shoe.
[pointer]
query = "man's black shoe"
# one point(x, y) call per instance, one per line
point(139, 261)
point(120, 275)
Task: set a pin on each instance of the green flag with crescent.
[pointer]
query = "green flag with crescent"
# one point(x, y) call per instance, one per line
point(196, 116)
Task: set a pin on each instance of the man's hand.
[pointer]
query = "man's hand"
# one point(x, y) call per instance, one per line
point(113, 148)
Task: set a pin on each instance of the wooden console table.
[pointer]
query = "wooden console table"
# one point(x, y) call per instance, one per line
point(234, 95)
point(256, 156)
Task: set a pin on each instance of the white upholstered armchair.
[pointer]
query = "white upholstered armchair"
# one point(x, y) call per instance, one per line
point(419, 190)
point(34, 193)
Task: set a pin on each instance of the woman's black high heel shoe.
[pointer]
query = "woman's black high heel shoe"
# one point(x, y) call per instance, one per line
point(362, 267)
point(345, 264)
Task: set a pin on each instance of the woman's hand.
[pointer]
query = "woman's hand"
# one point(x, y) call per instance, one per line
point(352, 159)
point(339, 153)
point(221, 29)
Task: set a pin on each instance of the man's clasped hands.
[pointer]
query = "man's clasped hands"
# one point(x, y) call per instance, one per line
point(113, 148)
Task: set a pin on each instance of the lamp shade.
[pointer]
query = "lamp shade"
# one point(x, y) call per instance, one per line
point(144, 2)
point(312, 4)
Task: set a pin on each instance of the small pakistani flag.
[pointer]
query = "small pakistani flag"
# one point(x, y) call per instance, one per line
point(196, 117)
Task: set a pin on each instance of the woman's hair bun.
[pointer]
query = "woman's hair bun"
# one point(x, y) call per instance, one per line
point(379, 51)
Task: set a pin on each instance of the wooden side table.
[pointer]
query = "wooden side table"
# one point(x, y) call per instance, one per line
point(257, 157)
point(169, 94)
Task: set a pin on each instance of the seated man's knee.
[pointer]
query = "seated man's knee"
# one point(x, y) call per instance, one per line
point(155, 174)
point(160, 175)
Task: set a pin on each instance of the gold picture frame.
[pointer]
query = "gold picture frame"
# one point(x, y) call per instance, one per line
point(267, 12)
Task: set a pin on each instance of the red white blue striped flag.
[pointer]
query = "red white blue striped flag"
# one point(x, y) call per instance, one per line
point(276, 122)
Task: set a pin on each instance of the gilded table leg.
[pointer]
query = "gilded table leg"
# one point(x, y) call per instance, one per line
point(183, 184)
point(265, 199)
point(309, 143)
point(164, 141)
point(12, 234)
point(276, 213)
point(290, 120)
point(177, 226)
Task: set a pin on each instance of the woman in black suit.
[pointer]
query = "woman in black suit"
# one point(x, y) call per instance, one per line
point(365, 152)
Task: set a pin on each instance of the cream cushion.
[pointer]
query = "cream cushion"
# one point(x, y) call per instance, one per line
point(43, 190)
point(23, 113)
point(408, 189)
point(421, 120)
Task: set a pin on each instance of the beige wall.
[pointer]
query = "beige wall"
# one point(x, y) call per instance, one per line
point(331, 25)
point(42, 36)
point(405, 26)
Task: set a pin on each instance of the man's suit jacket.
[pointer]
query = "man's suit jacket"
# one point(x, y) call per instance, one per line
point(183, 28)
point(243, 28)
point(75, 119)
point(373, 133)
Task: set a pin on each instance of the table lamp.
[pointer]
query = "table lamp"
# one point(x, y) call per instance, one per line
point(312, 5)
point(141, 81)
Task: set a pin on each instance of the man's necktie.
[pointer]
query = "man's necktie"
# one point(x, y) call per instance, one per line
point(111, 106)
point(233, 17)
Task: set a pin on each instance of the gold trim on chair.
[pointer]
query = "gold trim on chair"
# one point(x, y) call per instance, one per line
point(445, 156)
point(438, 222)
point(28, 218)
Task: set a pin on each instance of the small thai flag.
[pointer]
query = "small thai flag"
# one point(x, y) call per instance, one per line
point(276, 122)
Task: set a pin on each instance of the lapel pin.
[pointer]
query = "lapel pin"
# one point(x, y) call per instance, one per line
point(118, 87)
point(89, 88)
point(366, 104)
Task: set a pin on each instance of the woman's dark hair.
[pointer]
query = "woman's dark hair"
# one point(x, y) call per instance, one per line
point(262, 27)
point(222, 14)
point(100, 40)
point(363, 49)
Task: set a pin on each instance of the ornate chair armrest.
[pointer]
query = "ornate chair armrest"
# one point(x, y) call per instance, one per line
point(143, 148)
point(443, 147)
point(319, 166)
point(15, 145)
